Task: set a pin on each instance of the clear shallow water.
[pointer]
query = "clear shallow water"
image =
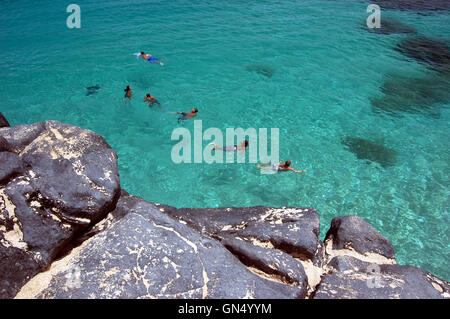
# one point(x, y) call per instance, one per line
point(327, 67)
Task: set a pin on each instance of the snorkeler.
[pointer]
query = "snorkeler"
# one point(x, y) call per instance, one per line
point(128, 94)
point(150, 99)
point(186, 116)
point(150, 59)
point(286, 166)
point(231, 148)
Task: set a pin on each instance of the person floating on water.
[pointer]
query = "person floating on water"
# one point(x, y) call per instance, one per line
point(231, 148)
point(280, 167)
point(128, 94)
point(150, 99)
point(186, 116)
point(150, 59)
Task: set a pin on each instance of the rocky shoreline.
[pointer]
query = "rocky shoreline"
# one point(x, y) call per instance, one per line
point(67, 230)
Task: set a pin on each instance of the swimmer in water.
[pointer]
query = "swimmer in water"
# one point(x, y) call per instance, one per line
point(150, 99)
point(231, 148)
point(186, 116)
point(128, 94)
point(280, 167)
point(150, 59)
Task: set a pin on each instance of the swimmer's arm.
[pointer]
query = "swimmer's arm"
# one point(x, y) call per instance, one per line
point(302, 171)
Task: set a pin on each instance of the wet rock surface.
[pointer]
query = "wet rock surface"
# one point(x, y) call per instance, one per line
point(67, 230)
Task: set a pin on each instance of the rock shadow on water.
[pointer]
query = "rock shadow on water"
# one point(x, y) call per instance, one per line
point(413, 5)
point(92, 89)
point(435, 54)
point(391, 26)
point(262, 69)
point(413, 95)
point(372, 151)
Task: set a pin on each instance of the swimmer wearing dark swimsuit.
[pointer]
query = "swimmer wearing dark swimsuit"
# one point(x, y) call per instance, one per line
point(150, 99)
point(186, 116)
point(128, 93)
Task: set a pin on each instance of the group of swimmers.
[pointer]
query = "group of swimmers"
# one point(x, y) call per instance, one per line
point(280, 167)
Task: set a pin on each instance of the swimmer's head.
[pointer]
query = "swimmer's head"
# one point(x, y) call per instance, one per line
point(128, 88)
point(287, 164)
point(194, 110)
point(148, 95)
point(142, 52)
point(246, 143)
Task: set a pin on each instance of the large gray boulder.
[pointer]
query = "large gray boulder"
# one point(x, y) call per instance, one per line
point(143, 253)
point(351, 278)
point(61, 180)
point(353, 232)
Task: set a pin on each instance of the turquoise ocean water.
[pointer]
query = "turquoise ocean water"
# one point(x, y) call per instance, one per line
point(327, 68)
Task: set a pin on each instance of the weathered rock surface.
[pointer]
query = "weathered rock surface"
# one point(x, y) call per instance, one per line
point(4, 145)
point(147, 254)
point(3, 121)
point(352, 278)
point(289, 229)
point(60, 180)
point(353, 232)
point(11, 166)
point(19, 136)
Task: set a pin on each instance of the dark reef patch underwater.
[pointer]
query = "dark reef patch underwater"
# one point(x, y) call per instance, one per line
point(434, 53)
point(92, 89)
point(391, 26)
point(262, 69)
point(374, 152)
point(413, 95)
point(413, 5)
